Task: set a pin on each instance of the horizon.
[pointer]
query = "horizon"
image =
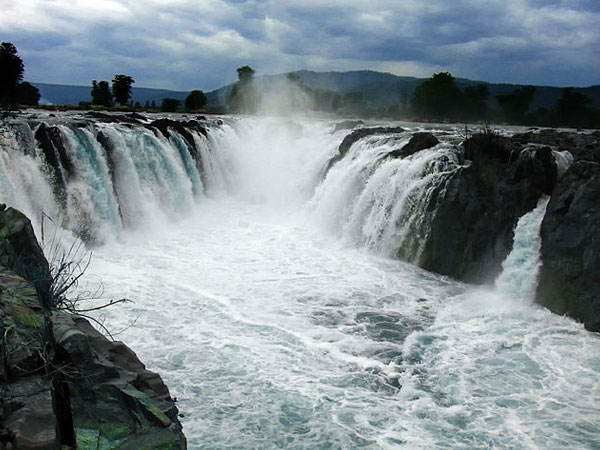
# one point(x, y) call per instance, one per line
point(327, 71)
point(183, 45)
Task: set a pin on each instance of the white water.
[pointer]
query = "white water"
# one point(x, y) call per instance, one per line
point(273, 333)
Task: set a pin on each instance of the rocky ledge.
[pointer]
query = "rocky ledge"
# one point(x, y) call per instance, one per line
point(65, 385)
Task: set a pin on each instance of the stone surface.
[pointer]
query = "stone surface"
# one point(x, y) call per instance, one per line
point(569, 281)
point(21, 253)
point(470, 218)
point(114, 399)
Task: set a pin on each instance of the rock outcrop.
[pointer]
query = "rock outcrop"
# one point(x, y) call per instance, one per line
point(64, 383)
point(569, 281)
point(418, 141)
point(471, 216)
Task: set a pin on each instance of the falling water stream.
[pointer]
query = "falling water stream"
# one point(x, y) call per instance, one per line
point(268, 301)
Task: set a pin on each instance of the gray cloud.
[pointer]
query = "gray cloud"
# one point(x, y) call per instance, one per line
point(185, 44)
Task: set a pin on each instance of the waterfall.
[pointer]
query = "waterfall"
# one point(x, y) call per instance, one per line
point(102, 177)
point(520, 268)
point(379, 202)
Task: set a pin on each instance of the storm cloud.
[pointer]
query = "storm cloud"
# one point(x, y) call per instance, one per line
point(188, 44)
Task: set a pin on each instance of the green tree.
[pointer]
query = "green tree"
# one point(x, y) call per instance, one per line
point(243, 97)
point(516, 104)
point(121, 88)
point(195, 100)
point(169, 104)
point(101, 94)
point(27, 94)
point(11, 72)
point(572, 108)
point(437, 98)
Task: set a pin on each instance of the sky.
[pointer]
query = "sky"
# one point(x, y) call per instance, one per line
point(198, 44)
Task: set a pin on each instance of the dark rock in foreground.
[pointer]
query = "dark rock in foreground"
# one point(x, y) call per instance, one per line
point(569, 281)
point(64, 383)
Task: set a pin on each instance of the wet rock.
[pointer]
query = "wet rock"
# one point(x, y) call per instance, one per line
point(55, 154)
point(585, 146)
point(27, 416)
point(418, 142)
point(470, 218)
point(569, 281)
point(114, 399)
point(21, 253)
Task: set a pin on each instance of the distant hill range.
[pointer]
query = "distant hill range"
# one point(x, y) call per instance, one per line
point(380, 90)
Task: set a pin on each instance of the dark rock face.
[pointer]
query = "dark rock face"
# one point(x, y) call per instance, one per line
point(28, 417)
point(569, 280)
point(50, 141)
point(21, 253)
point(418, 142)
point(114, 399)
point(472, 215)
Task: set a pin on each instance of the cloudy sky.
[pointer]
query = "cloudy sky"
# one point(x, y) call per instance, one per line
point(198, 44)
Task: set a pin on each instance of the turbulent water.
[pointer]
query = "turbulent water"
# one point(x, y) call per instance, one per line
point(267, 299)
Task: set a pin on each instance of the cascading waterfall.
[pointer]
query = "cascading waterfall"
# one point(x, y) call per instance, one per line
point(273, 334)
point(520, 269)
point(380, 202)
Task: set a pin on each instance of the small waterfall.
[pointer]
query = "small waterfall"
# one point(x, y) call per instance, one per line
point(520, 268)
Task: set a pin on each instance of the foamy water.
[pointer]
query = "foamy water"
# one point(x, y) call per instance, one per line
point(265, 298)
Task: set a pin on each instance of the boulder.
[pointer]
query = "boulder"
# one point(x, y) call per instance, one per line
point(569, 280)
point(114, 399)
point(418, 141)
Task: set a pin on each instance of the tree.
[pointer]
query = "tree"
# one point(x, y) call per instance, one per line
point(245, 74)
point(11, 72)
point(169, 104)
point(27, 94)
point(195, 100)
point(243, 97)
point(572, 108)
point(101, 94)
point(516, 104)
point(121, 88)
point(437, 97)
